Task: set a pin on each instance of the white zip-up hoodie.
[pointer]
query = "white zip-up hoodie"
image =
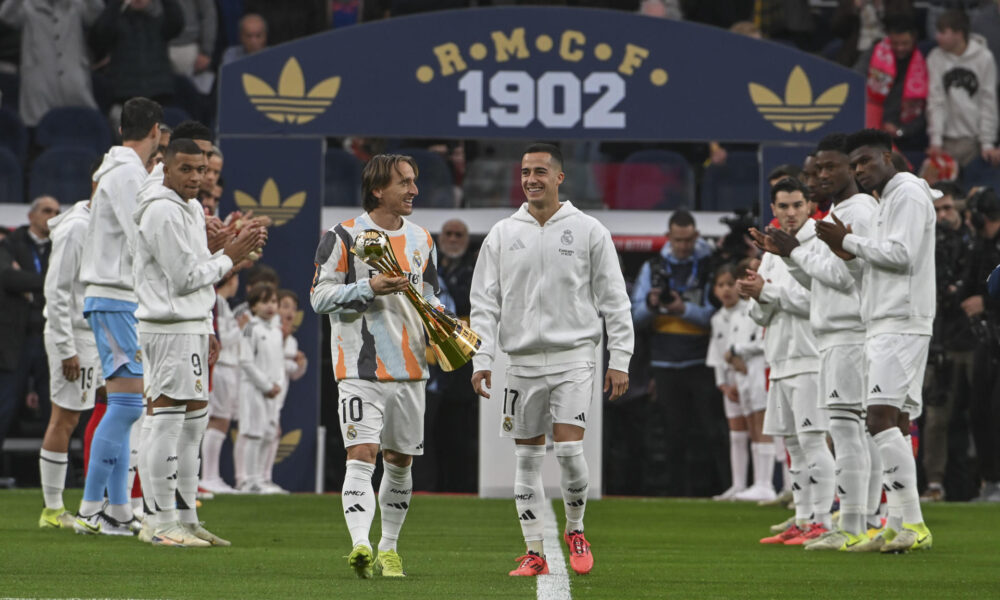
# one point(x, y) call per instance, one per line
point(174, 271)
point(783, 308)
point(546, 287)
point(835, 284)
point(962, 95)
point(63, 289)
point(898, 293)
point(106, 267)
point(262, 359)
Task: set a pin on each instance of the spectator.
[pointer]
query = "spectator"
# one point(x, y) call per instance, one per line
point(897, 85)
point(859, 23)
point(135, 36)
point(952, 344)
point(191, 51)
point(962, 103)
point(24, 259)
point(212, 171)
point(55, 68)
point(290, 19)
point(984, 311)
point(664, 9)
point(671, 299)
point(253, 38)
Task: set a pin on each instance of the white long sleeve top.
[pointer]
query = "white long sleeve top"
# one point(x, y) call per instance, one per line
point(63, 288)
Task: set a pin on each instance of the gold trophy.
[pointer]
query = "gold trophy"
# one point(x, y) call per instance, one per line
point(453, 342)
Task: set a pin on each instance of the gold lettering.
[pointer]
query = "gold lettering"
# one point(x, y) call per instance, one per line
point(566, 43)
point(634, 55)
point(450, 58)
point(507, 46)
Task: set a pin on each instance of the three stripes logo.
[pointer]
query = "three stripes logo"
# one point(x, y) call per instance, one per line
point(807, 423)
point(517, 245)
point(355, 509)
point(579, 502)
point(398, 505)
point(897, 486)
point(835, 394)
point(580, 417)
point(271, 205)
point(527, 516)
point(876, 390)
point(291, 104)
point(798, 111)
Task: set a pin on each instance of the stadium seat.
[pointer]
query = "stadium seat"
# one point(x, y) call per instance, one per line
point(434, 182)
point(174, 115)
point(62, 172)
point(653, 180)
point(76, 126)
point(342, 177)
point(13, 134)
point(580, 186)
point(488, 182)
point(11, 175)
point(980, 173)
point(735, 184)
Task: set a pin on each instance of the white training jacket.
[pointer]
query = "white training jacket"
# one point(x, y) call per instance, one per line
point(733, 329)
point(262, 360)
point(106, 268)
point(63, 289)
point(229, 333)
point(783, 309)
point(541, 292)
point(898, 291)
point(174, 271)
point(835, 284)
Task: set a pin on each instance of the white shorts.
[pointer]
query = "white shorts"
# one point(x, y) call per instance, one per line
point(793, 406)
point(842, 377)
point(389, 413)
point(76, 395)
point(175, 365)
point(752, 388)
point(256, 414)
point(532, 404)
point(896, 365)
point(223, 399)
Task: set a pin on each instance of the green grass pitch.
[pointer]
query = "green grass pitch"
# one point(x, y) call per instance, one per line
point(462, 547)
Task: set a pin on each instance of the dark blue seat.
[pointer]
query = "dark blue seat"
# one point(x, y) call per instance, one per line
point(13, 134)
point(979, 173)
point(11, 177)
point(434, 180)
point(654, 180)
point(342, 178)
point(733, 185)
point(77, 126)
point(175, 115)
point(62, 172)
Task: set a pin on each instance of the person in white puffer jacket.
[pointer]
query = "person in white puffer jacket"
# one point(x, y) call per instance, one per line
point(898, 304)
point(544, 278)
point(175, 276)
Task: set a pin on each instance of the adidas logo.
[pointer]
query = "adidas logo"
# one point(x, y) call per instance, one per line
point(290, 103)
point(580, 417)
point(354, 509)
point(527, 516)
point(835, 394)
point(399, 505)
point(796, 487)
point(579, 502)
point(798, 111)
point(876, 390)
point(518, 245)
point(807, 423)
point(420, 446)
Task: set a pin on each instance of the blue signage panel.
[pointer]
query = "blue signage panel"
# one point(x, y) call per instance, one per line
point(540, 72)
point(290, 192)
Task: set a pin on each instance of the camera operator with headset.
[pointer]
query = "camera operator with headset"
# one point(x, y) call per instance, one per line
point(984, 312)
point(671, 300)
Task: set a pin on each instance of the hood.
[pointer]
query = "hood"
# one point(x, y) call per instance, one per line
point(566, 210)
point(76, 210)
point(702, 249)
point(901, 178)
point(151, 191)
point(807, 231)
point(116, 157)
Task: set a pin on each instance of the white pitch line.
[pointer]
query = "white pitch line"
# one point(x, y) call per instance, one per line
point(555, 585)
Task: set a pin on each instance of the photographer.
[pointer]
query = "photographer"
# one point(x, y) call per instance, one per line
point(984, 313)
point(671, 301)
point(951, 351)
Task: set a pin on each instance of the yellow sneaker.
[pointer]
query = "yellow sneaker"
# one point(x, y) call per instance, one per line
point(56, 518)
point(913, 536)
point(837, 540)
point(389, 564)
point(875, 544)
point(361, 559)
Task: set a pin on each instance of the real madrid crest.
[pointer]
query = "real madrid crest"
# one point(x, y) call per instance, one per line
point(138, 356)
point(197, 385)
point(418, 259)
point(567, 237)
point(351, 432)
point(508, 425)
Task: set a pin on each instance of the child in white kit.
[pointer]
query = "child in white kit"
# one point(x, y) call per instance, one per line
point(224, 397)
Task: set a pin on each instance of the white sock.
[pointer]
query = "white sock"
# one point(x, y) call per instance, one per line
point(358, 498)
point(394, 494)
point(852, 468)
point(133, 454)
point(163, 441)
point(120, 512)
point(52, 466)
point(739, 457)
point(820, 464)
point(189, 462)
point(251, 458)
point(529, 492)
point(763, 464)
point(799, 476)
point(874, 483)
point(147, 491)
point(270, 454)
point(900, 474)
point(239, 456)
point(263, 448)
point(211, 448)
point(574, 481)
point(781, 457)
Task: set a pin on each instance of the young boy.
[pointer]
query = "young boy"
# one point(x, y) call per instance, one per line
point(262, 366)
point(224, 397)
